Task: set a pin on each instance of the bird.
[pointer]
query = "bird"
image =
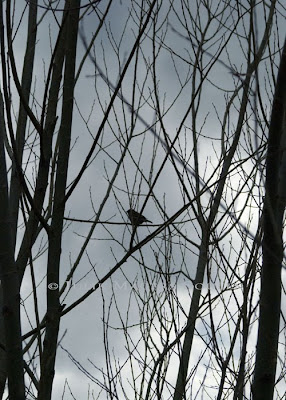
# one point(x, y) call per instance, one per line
point(136, 218)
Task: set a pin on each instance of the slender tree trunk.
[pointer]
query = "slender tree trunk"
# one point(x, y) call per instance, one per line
point(10, 293)
point(15, 189)
point(9, 275)
point(272, 245)
point(206, 229)
point(194, 308)
point(3, 366)
point(28, 67)
point(55, 236)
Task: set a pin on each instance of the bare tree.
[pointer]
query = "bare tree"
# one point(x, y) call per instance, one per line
point(274, 207)
point(163, 108)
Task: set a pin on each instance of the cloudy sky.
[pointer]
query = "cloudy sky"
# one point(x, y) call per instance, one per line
point(172, 40)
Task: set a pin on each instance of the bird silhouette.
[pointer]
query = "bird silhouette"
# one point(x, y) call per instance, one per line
point(136, 218)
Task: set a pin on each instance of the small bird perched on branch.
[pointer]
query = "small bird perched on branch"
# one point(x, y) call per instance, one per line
point(136, 218)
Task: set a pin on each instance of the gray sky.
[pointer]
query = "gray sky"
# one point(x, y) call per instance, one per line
point(82, 328)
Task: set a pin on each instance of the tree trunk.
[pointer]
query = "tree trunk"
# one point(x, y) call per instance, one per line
point(55, 237)
point(272, 245)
